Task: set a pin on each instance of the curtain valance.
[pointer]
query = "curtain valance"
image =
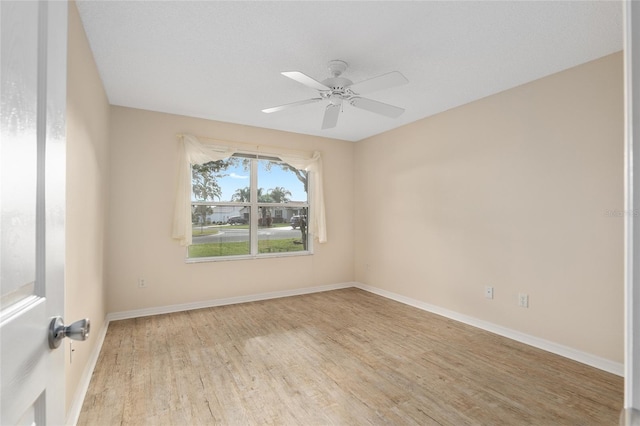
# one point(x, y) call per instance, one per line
point(193, 151)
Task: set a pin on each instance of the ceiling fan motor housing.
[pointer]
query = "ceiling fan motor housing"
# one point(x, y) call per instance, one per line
point(338, 85)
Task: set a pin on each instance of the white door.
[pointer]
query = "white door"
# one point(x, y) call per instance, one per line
point(32, 205)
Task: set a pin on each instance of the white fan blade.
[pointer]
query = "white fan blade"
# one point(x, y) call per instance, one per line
point(330, 116)
point(377, 107)
point(293, 104)
point(384, 81)
point(305, 79)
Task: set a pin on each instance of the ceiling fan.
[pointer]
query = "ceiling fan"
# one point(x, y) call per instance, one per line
point(337, 89)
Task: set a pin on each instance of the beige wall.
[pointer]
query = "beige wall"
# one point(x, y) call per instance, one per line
point(87, 183)
point(511, 191)
point(143, 182)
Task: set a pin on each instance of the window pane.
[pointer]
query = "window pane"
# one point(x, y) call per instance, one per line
point(282, 229)
point(280, 183)
point(226, 208)
point(220, 231)
point(18, 162)
point(224, 180)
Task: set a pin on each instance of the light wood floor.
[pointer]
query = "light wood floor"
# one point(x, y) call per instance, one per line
point(339, 357)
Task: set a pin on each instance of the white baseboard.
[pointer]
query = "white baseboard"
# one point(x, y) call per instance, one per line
point(81, 391)
point(565, 351)
point(137, 313)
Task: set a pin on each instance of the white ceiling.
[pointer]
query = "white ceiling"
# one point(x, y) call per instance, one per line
point(221, 60)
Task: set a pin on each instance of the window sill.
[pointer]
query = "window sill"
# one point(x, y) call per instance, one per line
point(246, 257)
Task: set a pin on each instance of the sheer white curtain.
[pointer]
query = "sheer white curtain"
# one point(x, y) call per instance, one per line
point(313, 165)
point(193, 151)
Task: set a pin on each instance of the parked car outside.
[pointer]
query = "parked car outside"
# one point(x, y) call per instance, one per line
point(295, 221)
point(237, 220)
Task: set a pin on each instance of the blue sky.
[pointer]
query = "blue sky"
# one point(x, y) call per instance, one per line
point(237, 178)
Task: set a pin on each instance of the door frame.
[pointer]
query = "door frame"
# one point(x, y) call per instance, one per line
point(631, 411)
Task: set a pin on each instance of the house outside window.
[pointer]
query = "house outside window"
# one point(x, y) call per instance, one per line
point(246, 206)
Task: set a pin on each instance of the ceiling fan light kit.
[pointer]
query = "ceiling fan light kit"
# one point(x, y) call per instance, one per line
point(337, 89)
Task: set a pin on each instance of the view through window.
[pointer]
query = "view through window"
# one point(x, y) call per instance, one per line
point(248, 206)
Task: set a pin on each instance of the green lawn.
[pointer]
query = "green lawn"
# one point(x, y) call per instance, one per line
point(242, 248)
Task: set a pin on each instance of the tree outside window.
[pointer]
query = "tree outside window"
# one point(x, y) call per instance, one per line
point(248, 206)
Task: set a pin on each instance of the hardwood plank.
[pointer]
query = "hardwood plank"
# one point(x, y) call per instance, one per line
point(339, 357)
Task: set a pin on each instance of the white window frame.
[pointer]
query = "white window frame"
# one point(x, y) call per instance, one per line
point(254, 208)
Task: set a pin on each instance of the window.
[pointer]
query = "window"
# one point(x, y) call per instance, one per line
point(191, 208)
point(247, 206)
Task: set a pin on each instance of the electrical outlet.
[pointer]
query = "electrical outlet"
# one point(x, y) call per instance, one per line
point(488, 292)
point(142, 283)
point(523, 300)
